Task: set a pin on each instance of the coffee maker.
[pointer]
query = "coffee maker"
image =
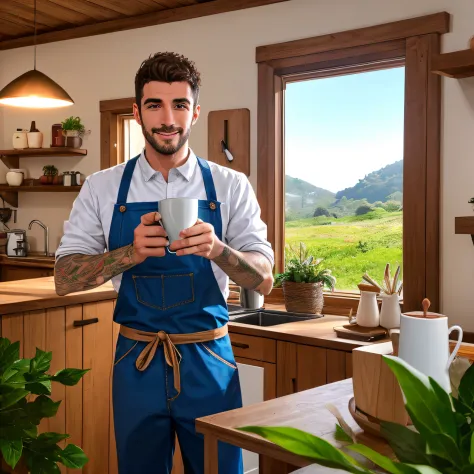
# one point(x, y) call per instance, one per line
point(16, 243)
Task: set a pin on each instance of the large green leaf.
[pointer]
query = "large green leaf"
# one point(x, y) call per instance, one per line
point(431, 406)
point(43, 387)
point(38, 464)
point(73, 457)
point(407, 444)
point(466, 387)
point(10, 395)
point(471, 455)
point(304, 444)
point(48, 438)
point(11, 451)
point(390, 466)
point(9, 354)
point(69, 376)
point(42, 407)
point(41, 362)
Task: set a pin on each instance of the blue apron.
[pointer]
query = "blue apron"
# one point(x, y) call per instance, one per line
point(178, 295)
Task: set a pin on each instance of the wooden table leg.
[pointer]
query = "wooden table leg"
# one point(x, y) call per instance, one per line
point(211, 456)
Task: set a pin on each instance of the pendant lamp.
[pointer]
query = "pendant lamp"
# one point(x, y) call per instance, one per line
point(34, 89)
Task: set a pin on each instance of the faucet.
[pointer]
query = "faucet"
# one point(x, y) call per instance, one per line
point(46, 234)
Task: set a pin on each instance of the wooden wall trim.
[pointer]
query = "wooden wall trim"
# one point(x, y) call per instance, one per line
point(435, 23)
point(149, 19)
point(118, 106)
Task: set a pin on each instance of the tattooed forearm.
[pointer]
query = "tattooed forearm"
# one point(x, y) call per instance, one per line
point(80, 272)
point(247, 269)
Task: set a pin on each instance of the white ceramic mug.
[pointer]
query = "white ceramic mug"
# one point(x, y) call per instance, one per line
point(177, 214)
point(424, 344)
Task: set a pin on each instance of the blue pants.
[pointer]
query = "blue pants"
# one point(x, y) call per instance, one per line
point(147, 418)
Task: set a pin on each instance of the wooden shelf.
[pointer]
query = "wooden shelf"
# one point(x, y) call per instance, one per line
point(10, 193)
point(465, 225)
point(458, 64)
point(11, 158)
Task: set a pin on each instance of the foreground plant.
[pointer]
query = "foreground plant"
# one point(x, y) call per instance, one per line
point(20, 413)
point(443, 442)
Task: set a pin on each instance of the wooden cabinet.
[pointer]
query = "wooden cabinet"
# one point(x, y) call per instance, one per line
point(301, 367)
point(12, 272)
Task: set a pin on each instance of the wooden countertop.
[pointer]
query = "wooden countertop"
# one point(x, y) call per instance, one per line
point(39, 293)
point(316, 332)
point(34, 260)
point(303, 410)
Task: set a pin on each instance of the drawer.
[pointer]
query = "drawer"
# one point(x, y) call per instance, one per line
point(251, 347)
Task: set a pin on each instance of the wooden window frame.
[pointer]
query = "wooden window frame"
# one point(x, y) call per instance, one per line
point(416, 40)
point(111, 129)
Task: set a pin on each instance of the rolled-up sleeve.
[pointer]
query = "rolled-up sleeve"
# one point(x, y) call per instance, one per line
point(83, 232)
point(246, 231)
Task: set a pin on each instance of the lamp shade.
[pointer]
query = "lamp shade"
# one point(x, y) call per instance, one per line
point(33, 89)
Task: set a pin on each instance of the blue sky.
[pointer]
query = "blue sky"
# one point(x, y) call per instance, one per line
point(339, 129)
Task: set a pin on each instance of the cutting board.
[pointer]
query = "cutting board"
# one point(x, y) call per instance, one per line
point(232, 126)
point(361, 333)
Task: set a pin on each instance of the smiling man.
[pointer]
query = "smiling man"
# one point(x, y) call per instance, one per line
point(174, 362)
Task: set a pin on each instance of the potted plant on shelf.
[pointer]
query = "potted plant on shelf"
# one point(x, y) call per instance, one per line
point(441, 443)
point(303, 281)
point(73, 130)
point(25, 389)
point(50, 175)
point(471, 202)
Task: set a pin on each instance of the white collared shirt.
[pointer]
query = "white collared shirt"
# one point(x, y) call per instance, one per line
point(87, 230)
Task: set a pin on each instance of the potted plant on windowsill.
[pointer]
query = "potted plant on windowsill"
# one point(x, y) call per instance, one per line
point(303, 281)
point(25, 389)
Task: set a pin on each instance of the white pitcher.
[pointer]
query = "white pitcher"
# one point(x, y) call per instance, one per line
point(424, 344)
point(368, 310)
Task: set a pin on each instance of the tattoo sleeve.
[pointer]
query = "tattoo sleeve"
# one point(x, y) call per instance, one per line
point(78, 272)
point(249, 271)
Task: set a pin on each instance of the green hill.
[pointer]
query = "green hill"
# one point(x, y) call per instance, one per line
point(301, 194)
point(381, 185)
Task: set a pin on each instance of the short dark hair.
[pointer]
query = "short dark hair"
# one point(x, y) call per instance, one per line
point(167, 67)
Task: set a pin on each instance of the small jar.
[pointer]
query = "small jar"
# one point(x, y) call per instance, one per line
point(73, 178)
point(78, 178)
point(67, 178)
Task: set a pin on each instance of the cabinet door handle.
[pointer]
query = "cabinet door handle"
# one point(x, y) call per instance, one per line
point(240, 345)
point(85, 322)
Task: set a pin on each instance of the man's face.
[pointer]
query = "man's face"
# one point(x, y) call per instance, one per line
point(167, 115)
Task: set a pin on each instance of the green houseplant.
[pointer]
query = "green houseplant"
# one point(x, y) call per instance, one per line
point(73, 127)
point(303, 281)
point(25, 389)
point(443, 441)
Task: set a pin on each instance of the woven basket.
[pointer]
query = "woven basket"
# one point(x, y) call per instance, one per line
point(303, 297)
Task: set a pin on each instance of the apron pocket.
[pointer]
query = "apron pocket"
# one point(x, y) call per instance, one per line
point(164, 291)
point(217, 356)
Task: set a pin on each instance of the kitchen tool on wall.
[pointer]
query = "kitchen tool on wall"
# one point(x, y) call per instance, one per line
point(229, 139)
point(16, 243)
point(6, 214)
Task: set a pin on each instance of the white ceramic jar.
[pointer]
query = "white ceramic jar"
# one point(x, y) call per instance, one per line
point(35, 139)
point(20, 140)
point(368, 314)
point(390, 312)
point(15, 177)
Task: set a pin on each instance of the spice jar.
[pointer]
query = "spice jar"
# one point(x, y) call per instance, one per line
point(73, 178)
point(67, 178)
point(78, 178)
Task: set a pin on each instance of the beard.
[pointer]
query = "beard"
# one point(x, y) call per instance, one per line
point(166, 148)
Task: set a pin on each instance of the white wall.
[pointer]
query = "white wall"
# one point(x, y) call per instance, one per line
point(223, 47)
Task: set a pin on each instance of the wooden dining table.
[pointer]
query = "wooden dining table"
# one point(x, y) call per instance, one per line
point(304, 410)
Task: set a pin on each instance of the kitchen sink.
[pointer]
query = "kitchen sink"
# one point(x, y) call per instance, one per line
point(264, 317)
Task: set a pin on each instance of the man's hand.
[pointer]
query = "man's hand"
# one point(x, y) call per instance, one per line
point(199, 240)
point(149, 238)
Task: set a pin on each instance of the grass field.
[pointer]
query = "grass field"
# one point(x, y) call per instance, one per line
point(352, 245)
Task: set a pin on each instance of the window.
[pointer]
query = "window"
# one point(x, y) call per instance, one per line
point(343, 160)
point(413, 41)
point(133, 140)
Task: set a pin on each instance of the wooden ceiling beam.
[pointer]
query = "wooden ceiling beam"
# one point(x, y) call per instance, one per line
point(150, 19)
